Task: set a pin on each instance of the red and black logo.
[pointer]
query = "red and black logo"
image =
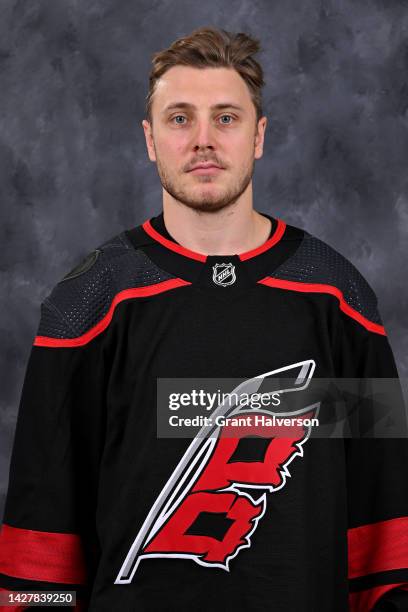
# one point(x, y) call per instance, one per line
point(217, 494)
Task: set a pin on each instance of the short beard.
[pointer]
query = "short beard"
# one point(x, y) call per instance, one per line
point(212, 204)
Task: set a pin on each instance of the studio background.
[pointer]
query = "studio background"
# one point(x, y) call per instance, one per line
point(74, 170)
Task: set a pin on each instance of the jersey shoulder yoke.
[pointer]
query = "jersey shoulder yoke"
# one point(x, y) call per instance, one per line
point(85, 295)
point(316, 266)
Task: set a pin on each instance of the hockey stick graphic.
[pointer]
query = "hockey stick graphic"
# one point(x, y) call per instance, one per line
point(195, 458)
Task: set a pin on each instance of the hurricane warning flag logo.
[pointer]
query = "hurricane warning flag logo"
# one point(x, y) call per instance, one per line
point(217, 494)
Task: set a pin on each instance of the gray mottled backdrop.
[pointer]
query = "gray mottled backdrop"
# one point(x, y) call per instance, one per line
point(74, 170)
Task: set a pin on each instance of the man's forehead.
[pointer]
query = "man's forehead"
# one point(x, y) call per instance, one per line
point(190, 88)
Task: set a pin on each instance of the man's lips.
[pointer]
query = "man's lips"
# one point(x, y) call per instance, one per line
point(205, 169)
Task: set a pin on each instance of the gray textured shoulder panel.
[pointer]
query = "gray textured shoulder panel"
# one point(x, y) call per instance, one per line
point(82, 298)
point(317, 262)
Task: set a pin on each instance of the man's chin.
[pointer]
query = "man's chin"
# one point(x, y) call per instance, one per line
point(206, 205)
point(202, 199)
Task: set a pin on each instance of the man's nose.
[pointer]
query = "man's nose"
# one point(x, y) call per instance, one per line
point(204, 135)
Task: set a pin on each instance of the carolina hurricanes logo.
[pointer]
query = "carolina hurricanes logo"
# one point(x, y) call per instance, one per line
point(217, 494)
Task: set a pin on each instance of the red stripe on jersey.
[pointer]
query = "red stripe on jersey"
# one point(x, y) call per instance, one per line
point(364, 601)
point(277, 235)
point(322, 288)
point(126, 294)
point(173, 246)
point(40, 555)
point(379, 547)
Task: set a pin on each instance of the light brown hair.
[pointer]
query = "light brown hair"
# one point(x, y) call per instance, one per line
point(211, 47)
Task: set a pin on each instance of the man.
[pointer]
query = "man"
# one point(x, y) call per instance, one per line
point(101, 503)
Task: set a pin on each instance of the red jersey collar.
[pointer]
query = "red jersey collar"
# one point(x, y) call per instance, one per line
point(178, 248)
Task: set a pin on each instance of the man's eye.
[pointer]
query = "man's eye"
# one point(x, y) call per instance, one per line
point(176, 117)
point(229, 117)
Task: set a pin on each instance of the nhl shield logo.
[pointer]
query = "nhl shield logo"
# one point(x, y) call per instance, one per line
point(224, 274)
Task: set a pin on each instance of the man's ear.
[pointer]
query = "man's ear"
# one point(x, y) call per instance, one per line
point(148, 132)
point(259, 137)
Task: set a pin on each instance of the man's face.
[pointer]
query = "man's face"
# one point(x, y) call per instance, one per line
point(188, 129)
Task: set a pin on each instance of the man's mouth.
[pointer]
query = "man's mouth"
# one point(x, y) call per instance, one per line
point(205, 170)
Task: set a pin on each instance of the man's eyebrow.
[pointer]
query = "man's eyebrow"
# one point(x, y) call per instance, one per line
point(187, 105)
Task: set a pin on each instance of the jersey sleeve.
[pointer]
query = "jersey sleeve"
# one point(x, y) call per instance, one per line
point(377, 477)
point(48, 539)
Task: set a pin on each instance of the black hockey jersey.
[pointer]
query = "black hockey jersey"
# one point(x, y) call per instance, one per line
point(100, 504)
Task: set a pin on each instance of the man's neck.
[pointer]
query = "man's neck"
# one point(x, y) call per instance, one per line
point(232, 230)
